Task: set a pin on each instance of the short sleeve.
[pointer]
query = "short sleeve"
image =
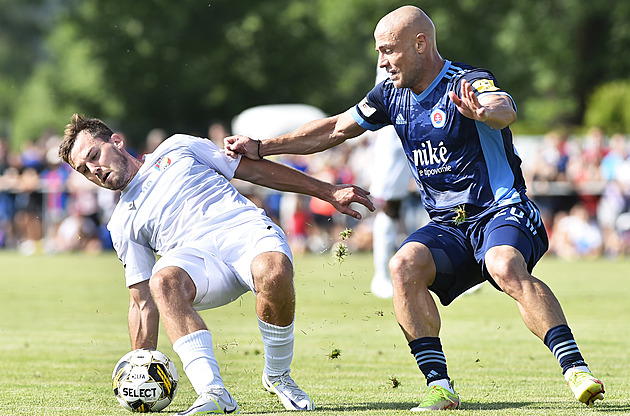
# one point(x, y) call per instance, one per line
point(137, 259)
point(371, 113)
point(208, 153)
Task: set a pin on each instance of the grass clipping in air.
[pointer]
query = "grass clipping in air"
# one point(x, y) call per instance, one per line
point(341, 250)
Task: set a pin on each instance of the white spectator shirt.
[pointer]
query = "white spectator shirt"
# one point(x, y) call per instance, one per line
point(180, 196)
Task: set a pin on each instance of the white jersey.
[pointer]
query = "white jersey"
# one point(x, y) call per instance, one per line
point(390, 174)
point(180, 197)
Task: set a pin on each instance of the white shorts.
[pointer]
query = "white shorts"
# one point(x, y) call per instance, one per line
point(220, 266)
point(390, 174)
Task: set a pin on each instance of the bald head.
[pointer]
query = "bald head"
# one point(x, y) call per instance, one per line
point(405, 40)
point(407, 22)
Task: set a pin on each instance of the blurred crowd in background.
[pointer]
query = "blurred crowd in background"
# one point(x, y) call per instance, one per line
point(580, 183)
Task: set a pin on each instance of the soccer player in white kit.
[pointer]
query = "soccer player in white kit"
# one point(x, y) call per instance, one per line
point(389, 185)
point(214, 245)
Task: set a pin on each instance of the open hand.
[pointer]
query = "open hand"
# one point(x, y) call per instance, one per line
point(468, 105)
point(344, 195)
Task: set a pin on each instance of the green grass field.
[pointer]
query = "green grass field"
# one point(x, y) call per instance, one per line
point(63, 327)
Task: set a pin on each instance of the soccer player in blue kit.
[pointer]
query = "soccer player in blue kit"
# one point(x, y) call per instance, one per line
point(453, 121)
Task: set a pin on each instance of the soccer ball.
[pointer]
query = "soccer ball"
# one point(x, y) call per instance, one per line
point(144, 380)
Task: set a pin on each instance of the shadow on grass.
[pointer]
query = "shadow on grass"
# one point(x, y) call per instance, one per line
point(623, 409)
point(609, 409)
point(605, 408)
point(408, 405)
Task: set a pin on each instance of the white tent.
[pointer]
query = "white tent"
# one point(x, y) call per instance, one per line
point(268, 121)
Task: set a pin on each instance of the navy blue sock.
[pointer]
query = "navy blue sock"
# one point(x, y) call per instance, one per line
point(561, 343)
point(430, 358)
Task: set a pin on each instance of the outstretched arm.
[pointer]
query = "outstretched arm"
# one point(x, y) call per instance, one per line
point(143, 317)
point(284, 178)
point(312, 137)
point(495, 110)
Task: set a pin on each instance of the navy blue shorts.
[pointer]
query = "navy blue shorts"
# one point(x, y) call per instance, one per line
point(459, 250)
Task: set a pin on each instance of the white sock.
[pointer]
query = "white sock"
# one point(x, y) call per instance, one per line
point(572, 370)
point(443, 382)
point(200, 365)
point(383, 244)
point(278, 342)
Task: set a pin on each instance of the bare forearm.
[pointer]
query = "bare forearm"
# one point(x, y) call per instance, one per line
point(500, 112)
point(283, 178)
point(314, 136)
point(143, 325)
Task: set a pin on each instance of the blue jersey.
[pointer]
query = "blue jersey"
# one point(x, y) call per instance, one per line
point(456, 161)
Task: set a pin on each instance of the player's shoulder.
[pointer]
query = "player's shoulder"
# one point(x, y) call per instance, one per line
point(176, 140)
point(459, 70)
point(170, 143)
point(183, 142)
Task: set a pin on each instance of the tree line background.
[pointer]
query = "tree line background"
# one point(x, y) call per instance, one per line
point(180, 65)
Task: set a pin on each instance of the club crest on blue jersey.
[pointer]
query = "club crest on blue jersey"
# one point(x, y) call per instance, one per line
point(162, 163)
point(438, 118)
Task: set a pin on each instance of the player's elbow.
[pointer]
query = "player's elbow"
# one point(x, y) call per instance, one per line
point(345, 128)
point(511, 117)
point(336, 138)
point(505, 119)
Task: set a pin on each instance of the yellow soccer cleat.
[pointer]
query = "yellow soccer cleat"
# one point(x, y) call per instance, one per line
point(438, 398)
point(586, 388)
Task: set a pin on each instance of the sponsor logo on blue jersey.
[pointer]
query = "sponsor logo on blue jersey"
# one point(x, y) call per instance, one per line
point(427, 155)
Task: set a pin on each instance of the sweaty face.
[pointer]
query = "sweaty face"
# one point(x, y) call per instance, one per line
point(103, 163)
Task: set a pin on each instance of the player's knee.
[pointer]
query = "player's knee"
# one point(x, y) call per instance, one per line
point(411, 266)
point(270, 283)
point(506, 270)
point(159, 284)
point(498, 268)
point(272, 273)
point(396, 266)
point(172, 281)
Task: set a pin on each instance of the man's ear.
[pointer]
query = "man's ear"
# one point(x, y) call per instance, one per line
point(421, 42)
point(117, 141)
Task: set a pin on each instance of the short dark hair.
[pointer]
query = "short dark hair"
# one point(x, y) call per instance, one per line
point(97, 128)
